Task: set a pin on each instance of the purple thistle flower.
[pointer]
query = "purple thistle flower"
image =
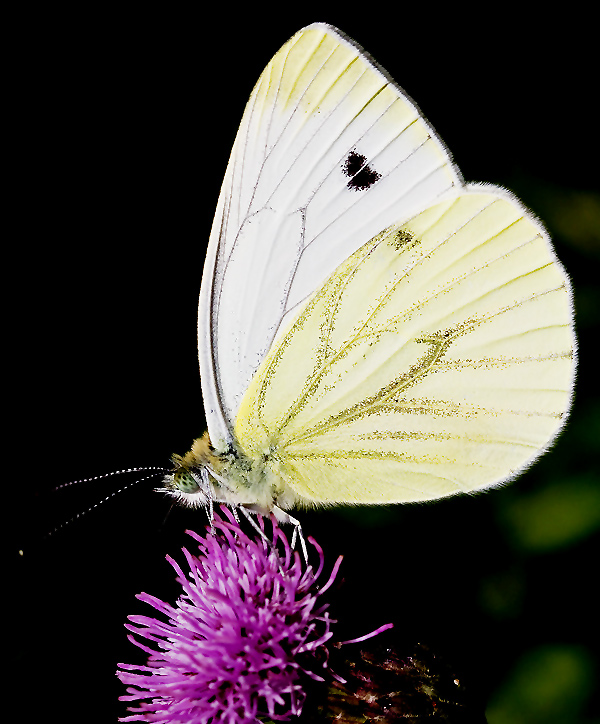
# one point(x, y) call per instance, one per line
point(238, 640)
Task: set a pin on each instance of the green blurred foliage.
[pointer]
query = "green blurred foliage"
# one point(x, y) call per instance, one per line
point(555, 516)
point(548, 685)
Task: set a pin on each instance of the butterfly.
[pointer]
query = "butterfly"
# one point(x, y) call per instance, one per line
point(372, 329)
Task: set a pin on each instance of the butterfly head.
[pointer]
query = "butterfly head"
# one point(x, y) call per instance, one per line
point(190, 481)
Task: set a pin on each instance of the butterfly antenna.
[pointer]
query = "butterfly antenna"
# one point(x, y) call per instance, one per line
point(104, 500)
point(108, 475)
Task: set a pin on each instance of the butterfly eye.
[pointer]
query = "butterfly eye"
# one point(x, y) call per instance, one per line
point(185, 482)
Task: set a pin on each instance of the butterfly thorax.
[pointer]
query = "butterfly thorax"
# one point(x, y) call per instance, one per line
point(205, 474)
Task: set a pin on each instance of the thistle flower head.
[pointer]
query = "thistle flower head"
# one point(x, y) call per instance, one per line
point(239, 639)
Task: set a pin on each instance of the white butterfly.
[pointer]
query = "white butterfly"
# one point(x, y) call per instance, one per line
point(371, 328)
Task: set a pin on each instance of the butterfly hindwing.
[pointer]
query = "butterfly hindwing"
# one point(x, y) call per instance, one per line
point(437, 359)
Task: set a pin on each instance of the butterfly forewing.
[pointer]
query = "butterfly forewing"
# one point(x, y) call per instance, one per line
point(329, 152)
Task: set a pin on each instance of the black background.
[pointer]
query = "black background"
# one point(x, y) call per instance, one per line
point(123, 124)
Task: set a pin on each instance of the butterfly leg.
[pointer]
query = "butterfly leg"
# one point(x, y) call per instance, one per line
point(283, 517)
point(206, 488)
point(248, 513)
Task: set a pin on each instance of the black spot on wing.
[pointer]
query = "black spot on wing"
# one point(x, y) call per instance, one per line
point(361, 175)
